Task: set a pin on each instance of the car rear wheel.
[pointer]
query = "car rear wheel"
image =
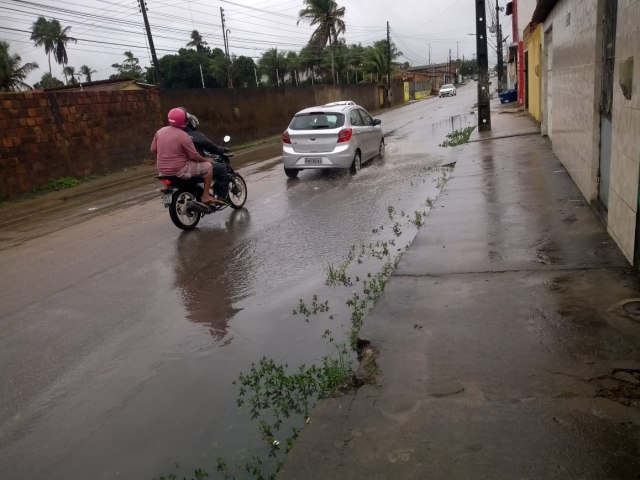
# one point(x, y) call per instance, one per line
point(356, 165)
point(291, 172)
point(381, 149)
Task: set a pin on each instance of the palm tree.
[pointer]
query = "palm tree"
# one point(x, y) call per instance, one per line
point(293, 66)
point(87, 72)
point(54, 38)
point(71, 73)
point(273, 64)
point(12, 74)
point(41, 37)
point(198, 42)
point(328, 16)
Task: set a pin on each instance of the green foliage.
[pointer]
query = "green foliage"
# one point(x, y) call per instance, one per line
point(129, 69)
point(48, 81)
point(50, 35)
point(12, 72)
point(315, 308)
point(58, 184)
point(457, 137)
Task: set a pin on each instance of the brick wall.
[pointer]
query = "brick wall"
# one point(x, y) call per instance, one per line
point(49, 135)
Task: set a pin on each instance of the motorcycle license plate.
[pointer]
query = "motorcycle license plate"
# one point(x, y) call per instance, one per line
point(166, 199)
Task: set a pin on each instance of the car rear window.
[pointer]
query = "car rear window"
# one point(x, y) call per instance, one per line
point(316, 120)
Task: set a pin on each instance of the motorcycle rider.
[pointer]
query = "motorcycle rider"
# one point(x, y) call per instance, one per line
point(203, 144)
point(176, 154)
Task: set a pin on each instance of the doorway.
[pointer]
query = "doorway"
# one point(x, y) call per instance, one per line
point(526, 80)
point(609, 19)
point(547, 85)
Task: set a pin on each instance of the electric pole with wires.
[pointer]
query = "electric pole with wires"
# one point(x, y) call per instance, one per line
point(142, 4)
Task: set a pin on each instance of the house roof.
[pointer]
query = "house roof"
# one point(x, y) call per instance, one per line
point(542, 11)
point(102, 85)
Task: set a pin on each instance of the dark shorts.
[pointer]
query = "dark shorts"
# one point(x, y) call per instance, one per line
point(194, 169)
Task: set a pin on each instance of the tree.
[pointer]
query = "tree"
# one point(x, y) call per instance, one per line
point(129, 69)
point(48, 81)
point(273, 64)
point(54, 39)
point(328, 16)
point(69, 75)
point(243, 71)
point(198, 42)
point(87, 72)
point(293, 66)
point(183, 70)
point(12, 74)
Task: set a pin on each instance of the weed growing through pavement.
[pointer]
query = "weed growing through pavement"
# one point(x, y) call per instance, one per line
point(457, 137)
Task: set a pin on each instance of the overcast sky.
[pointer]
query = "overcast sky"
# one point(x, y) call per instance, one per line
point(424, 30)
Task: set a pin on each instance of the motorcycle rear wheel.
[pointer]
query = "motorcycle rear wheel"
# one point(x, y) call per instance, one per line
point(237, 196)
point(178, 212)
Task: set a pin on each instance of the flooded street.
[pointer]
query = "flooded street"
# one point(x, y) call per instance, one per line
point(122, 335)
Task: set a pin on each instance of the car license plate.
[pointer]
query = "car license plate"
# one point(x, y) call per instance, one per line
point(166, 199)
point(312, 161)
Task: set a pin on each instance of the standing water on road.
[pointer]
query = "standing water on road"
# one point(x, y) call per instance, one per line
point(124, 336)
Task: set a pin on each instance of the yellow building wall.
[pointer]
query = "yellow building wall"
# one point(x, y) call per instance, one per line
point(534, 47)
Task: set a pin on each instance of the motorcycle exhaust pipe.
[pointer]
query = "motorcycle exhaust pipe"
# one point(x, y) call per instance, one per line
point(195, 206)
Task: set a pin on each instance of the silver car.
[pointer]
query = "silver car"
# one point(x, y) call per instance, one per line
point(335, 135)
point(447, 91)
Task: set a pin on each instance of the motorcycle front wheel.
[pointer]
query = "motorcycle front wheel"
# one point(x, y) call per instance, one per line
point(179, 213)
point(237, 191)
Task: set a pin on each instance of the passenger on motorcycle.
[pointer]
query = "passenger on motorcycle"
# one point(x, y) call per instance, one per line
point(176, 154)
point(203, 144)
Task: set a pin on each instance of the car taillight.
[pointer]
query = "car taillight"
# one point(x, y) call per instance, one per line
point(345, 135)
point(285, 137)
point(166, 181)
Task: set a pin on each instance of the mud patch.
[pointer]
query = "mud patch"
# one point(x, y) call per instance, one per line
point(622, 386)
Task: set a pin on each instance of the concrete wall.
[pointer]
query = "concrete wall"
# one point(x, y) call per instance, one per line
point(625, 154)
point(576, 89)
point(533, 46)
point(51, 135)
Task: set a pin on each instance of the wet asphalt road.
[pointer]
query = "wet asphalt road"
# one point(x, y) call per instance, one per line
point(121, 335)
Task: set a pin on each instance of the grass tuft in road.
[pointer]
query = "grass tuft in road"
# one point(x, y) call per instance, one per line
point(457, 137)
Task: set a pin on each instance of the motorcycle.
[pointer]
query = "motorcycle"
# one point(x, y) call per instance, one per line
point(183, 196)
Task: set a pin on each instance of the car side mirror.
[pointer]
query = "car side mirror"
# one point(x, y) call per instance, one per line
point(377, 121)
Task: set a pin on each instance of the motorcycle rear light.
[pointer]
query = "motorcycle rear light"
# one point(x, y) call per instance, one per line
point(285, 137)
point(345, 135)
point(166, 181)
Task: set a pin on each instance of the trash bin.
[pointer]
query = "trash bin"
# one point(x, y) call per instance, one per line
point(508, 96)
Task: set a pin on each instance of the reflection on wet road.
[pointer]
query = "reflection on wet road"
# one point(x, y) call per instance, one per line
point(122, 334)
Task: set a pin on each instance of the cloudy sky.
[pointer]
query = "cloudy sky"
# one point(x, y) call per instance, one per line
point(424, 30)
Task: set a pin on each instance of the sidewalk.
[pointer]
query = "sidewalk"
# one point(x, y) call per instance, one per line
point(504, 349)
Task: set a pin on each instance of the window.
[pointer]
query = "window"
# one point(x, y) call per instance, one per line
point(317, 120)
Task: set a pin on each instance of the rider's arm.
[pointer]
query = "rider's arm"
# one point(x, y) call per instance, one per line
point(201, 142)
point(190, 149)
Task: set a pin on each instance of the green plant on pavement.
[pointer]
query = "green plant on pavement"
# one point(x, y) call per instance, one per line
point(457, 137)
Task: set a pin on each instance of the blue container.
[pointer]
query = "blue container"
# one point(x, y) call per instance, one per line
point(508, 96)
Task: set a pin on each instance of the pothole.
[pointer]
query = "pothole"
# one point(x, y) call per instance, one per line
point(632, 307)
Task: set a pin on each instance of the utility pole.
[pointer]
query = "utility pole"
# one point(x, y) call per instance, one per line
point(449, 74)
point(484, 110)
point(225, 37)
point(499, 47)
point(429, 54)
point(142, 4)
point(388, 65)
